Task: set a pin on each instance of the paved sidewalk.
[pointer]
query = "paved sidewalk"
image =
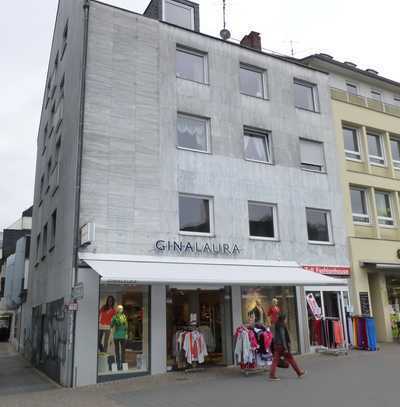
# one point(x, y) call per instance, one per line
point(17, 376)
point(362, 379)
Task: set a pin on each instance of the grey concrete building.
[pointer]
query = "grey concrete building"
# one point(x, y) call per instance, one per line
point(189, 180)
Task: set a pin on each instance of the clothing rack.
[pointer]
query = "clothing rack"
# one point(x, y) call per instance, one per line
point(332, 337)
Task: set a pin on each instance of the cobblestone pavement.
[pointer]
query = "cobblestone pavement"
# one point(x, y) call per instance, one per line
point(367, 379)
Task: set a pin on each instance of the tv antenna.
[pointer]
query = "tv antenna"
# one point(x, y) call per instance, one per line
point(224, 33)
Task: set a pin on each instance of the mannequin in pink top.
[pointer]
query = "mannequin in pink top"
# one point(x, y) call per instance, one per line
point(273, 312)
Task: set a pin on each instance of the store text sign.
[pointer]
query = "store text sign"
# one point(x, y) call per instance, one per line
point(181, 247)
point(329, 270)
point(314, 307)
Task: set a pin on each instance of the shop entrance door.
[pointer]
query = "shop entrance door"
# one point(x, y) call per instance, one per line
point(330, 306)
point(207, 310)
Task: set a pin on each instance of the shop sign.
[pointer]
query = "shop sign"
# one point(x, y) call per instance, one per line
point(314, 307)
point(329, 270)
point(182, 247)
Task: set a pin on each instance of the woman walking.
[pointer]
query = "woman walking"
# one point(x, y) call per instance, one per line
point(282, 349)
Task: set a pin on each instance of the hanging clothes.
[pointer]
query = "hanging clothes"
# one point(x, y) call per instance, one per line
point(194, 347)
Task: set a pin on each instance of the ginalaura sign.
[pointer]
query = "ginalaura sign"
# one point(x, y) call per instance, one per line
point(182, 247)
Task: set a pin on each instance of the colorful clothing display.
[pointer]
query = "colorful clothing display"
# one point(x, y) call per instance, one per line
point(192, 345)
point(363, 333)
point(327, 332)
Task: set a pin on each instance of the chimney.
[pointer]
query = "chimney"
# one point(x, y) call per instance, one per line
point(252, 40)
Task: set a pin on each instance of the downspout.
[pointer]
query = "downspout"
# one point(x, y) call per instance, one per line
point(79, 173)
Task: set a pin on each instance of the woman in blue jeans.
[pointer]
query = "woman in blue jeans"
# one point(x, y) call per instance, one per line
point(282, 348)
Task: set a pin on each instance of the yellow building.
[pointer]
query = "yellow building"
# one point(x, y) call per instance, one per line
point(366, 111)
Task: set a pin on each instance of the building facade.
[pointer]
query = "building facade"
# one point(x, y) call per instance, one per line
point(366, 109)
point(186, 178)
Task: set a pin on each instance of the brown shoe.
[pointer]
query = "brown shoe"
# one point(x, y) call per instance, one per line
point(302, 374)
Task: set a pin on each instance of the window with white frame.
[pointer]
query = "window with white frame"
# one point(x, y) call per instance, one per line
point(384, 208)
point(257, 145)
point(305, 95)
point(262, 220)
point(193, 133)
point(318, 226)
point(191, 65)
point(376, 94)
point(252, 81)
point(351, 88)
point(195, 214)
point(179, 14)
point(359, 205)
point(312, 155)
point(376, 151)
point(351, 143)
point(395, 147)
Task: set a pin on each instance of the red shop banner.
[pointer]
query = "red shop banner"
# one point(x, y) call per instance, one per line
point(329, 270)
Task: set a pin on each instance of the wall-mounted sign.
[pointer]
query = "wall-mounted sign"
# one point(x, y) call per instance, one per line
point(329, 270)
point(364, 304)
point(77, 292)
point(314, 307)
point(182, 247)
point(88, 233)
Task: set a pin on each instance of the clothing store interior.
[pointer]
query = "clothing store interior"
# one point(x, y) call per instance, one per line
point(123, 335)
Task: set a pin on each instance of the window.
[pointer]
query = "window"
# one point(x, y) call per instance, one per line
point(37, 247)
point(195, 214)
point(179, 14)
point(53, 229)
point(376, 95)
point(395, 147)
point(193, 132)
point(257, 145)
point(384, 208)
point(396, 100)
point(318, 226)
point(251, 81)
point(351, 144)
point(49, 168)
point(57, 153)
point(45, 136)
point(65, 37)
point(191, 65)
point(312, 155)
point(375, 149)
point(44, 242)
point(124, 340)
point(262, 220)
point(351, 88)
point(359, 205)
point(62, 82)
point(41, 187)
point(305, 95)
point(58, 115)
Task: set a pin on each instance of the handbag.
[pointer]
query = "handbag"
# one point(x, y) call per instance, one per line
point(282, 363)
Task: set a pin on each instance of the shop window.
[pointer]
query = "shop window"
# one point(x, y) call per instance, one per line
point(252, 81)
point(257, 145)
point(179, 14)
point(191, 65)
point(318, 226)
point(351, 144)
point(262, 220)
point(376, 151)
point(384, 208)
point(123, 337)
point(195, 214)
point(259, 303)
point(312, 155)
point(359, 205)
point(193, 132)
point(395, 147)
point(305, 95)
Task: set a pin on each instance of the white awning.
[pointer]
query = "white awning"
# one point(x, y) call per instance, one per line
point(174, 270)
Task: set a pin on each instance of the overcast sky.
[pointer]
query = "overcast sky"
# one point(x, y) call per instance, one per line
point(363, 31)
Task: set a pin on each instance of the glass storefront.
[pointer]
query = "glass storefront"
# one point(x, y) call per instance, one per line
point(262, 302)
point(123, 335)
point(393, 290)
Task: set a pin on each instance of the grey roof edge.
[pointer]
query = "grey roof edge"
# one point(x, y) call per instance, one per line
point(350, 68)
point(284, 58)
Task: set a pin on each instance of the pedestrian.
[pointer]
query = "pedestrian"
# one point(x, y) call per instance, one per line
point(281, 343)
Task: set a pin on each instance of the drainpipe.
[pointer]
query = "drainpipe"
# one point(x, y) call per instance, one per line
point(79, 174)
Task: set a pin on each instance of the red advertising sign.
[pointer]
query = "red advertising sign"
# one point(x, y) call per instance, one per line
point(314, 307)
point(329, 270)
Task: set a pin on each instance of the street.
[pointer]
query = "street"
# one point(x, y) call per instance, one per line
point(367, 379)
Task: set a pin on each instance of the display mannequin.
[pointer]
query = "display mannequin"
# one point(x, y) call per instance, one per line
point(258, 312)
point(273, 312)
point(106, 314)
point(120, 325)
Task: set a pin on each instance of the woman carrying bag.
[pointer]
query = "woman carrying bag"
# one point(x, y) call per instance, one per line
point(282, 350)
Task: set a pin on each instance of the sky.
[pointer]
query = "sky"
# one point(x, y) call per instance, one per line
point(362, 31)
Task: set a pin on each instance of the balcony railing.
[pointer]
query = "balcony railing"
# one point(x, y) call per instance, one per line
point(363, 101)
